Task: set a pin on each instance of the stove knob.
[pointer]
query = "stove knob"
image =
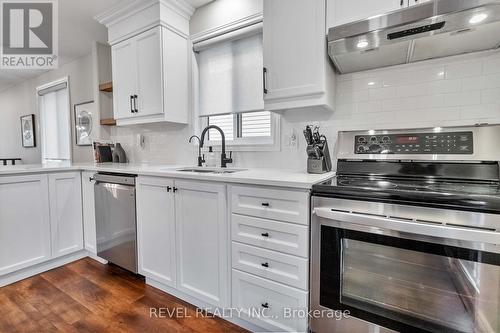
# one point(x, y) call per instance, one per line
point(386, 139)
point(373, 139)
point(362, 149)
point(375, 149)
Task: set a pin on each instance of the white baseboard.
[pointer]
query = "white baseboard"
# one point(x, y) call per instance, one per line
point(40, 268)
point(202, 305)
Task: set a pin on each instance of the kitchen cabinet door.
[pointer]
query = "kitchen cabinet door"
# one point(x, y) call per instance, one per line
point(124, 78)
point(89, 228)
point(66, 223)
point(24, 222)
point(149, 72)
point(202, 241)
point(156, 229)
point(347, 11)
point(297, 72)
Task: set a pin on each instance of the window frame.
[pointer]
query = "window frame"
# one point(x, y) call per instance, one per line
point(271, 143)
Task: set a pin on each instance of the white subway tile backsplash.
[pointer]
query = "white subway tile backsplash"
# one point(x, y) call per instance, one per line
point(480, 111)
point(490, 96)
point(464, 69)
point(463, 98)
point(382, 93)
point(491, 65)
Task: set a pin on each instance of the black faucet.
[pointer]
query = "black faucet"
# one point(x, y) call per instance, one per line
point(223, 159)
point(201, 159)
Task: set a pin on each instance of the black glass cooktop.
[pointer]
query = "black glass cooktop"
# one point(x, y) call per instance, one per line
point(475, 196)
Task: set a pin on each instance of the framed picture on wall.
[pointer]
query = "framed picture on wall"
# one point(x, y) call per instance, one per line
point(28, 131)
point(83, 123)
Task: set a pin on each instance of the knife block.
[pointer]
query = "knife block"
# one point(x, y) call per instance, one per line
point(322, 164)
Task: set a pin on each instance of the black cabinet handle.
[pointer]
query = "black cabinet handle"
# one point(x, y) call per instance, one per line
point(169, 189)
point(265, 305)
point(91, 179)
point(264, 79)
point(402, 3)
point(131, 104)
point(175, 189)
point(265, 264)
point(265, 234)
point(265, 204)
point(136, 109)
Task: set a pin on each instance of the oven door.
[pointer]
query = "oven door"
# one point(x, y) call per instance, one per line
point(408, 282)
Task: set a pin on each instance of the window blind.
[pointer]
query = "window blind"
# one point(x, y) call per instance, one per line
point(230, 77)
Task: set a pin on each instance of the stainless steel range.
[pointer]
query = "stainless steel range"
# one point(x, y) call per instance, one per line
point(407, 236)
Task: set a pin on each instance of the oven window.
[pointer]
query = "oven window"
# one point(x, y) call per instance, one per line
point(401, 288)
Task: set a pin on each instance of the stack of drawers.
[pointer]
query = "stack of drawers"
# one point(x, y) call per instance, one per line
point(270, 251)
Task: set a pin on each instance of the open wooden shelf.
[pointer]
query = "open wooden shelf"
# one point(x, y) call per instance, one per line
point(108, 122)
point(107, 87)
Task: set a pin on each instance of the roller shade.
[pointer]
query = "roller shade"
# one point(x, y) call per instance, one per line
point(230, 75)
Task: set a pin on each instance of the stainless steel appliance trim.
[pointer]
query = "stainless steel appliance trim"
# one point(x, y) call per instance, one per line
point(115, 178)
point(485, 141)
point(426, 11)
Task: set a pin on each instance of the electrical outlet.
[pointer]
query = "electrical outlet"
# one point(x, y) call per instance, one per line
point(293, 141)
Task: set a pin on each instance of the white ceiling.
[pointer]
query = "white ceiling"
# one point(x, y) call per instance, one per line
point(77, 32)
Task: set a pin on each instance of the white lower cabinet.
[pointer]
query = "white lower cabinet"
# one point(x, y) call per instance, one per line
point(156, 229)
point(202, 241)
point(24, 222)
point(183, 236)
point(89, 227)
point(65, 196)
point(268, 304)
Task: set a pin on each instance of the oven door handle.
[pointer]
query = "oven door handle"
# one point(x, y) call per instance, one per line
point(410, 226)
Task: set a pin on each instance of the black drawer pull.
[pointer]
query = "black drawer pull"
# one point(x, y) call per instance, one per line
point(265, 264)
point(169, 188)
point(265, 234)
point(175, 189)
point(265, 305)
point(265, 204)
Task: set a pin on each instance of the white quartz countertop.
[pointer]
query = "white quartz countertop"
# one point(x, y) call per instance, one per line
point(267, 177)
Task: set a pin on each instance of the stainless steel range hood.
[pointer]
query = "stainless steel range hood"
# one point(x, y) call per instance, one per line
point(434, 29)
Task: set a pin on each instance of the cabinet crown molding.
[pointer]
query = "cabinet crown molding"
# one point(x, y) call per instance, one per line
point(122, 12)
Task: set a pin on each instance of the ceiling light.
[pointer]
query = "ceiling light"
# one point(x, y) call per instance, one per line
point(362, 44)
point(478, 18)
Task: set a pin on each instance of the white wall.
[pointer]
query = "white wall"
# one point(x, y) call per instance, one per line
point(20, 100)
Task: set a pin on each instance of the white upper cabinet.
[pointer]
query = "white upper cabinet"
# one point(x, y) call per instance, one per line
point(347, 11)
point(24, 222)
point(297, 72)
point(150, 61)
point(141, 70)
point(124, 81)
point(156, 229)
point(66, 224)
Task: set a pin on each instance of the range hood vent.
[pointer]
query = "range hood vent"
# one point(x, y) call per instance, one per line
point(434, 29)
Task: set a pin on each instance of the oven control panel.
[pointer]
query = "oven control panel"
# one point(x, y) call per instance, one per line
point(416, 143)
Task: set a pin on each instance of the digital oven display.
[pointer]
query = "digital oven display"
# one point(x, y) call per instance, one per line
point(407, 140)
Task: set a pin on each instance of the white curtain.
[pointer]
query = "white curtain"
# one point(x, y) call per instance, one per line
point(230, 76)
point(55, 125)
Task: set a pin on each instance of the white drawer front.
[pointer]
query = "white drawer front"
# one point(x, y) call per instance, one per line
point(273, 235)
point(270, 299)
point(279, 267)
point(289, 206)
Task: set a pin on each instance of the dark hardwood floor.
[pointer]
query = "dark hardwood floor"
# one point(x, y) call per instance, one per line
point(86, 296)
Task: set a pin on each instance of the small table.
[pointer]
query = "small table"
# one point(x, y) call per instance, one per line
point(12, 160)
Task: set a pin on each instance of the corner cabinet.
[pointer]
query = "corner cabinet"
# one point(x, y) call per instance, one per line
point(150, 78)
point(297, 71)
point(183, 237)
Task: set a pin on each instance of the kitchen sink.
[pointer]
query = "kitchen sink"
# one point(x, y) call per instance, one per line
point(210, 170)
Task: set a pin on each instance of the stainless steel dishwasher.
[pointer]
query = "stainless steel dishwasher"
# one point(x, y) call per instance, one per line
point(116, 225)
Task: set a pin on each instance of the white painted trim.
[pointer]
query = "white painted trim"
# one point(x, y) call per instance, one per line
point(122, 11)
point(232, 26)
point(40, 268)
